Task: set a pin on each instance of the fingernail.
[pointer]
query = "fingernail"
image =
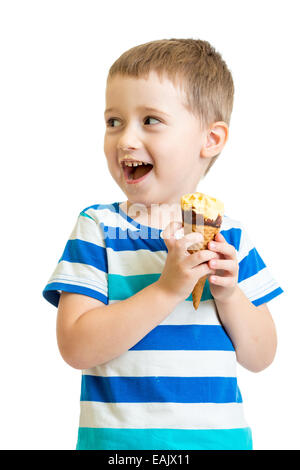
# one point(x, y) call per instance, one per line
point(179, 234)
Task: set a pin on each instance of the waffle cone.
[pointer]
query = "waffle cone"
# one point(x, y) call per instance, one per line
point(208, 233)
point(197, 291)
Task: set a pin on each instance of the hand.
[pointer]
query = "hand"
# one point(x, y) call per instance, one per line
point(182, 269)
point(223, 284)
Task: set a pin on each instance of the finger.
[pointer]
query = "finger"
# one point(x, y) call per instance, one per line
point(171, 229)
point(225, 248)
point(201, 257)
point(181, 245)
point(219, 237)
point(223, 264)
point(222, 281)
point(190, 239)
point(203, 270)
point(179, 233)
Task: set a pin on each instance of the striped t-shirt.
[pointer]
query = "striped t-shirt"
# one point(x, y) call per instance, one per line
point(177, 387)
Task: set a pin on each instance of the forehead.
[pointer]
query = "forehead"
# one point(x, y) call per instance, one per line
point(149, 91)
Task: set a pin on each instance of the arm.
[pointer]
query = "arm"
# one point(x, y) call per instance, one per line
point(90, 333)
point(250, 328)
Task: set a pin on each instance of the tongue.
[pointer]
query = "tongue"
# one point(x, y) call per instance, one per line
point(140, 171)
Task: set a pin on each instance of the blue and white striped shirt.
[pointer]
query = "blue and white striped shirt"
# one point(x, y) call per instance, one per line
point(177, 387)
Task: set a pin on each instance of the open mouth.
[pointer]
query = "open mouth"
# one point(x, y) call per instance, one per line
point(134, 174)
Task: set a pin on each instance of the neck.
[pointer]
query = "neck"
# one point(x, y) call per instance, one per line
point(154, 215)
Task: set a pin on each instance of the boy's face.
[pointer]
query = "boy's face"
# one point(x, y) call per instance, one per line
point(170, 138)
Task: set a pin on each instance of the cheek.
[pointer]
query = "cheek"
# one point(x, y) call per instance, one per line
point(168, 170)
point(170, 158)
point(107, 146)
point(171, 147)
point(110, 154)
point(110, 142)
point(163, 150)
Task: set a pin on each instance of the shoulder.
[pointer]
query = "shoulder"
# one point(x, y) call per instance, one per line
point(106, 217)
point(100, 212)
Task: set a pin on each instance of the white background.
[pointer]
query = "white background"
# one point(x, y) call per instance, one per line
point(54, 59)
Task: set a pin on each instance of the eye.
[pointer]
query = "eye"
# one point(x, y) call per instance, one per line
point(150, 118)
point(110, 122)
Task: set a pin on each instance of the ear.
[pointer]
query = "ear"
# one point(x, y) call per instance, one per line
point(215, 139)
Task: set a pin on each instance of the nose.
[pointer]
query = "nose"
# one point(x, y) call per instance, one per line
point(129, 140)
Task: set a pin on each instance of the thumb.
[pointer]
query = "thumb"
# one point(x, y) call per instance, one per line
point(171, 229)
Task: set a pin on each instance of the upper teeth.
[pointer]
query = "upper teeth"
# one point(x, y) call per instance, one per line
point(134, 163)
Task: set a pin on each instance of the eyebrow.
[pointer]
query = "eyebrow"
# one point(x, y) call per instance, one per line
point(146, 108)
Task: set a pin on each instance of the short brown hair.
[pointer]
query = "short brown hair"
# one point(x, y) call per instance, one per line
point(192, 63)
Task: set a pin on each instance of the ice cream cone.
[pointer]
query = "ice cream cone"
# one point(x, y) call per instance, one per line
point(208, 233)
point(197, 291)
point(201, 213)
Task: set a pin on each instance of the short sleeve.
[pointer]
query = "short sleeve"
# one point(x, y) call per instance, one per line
point(255, 278)
point(82, 268)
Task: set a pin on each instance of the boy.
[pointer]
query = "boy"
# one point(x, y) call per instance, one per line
point(156, 374)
